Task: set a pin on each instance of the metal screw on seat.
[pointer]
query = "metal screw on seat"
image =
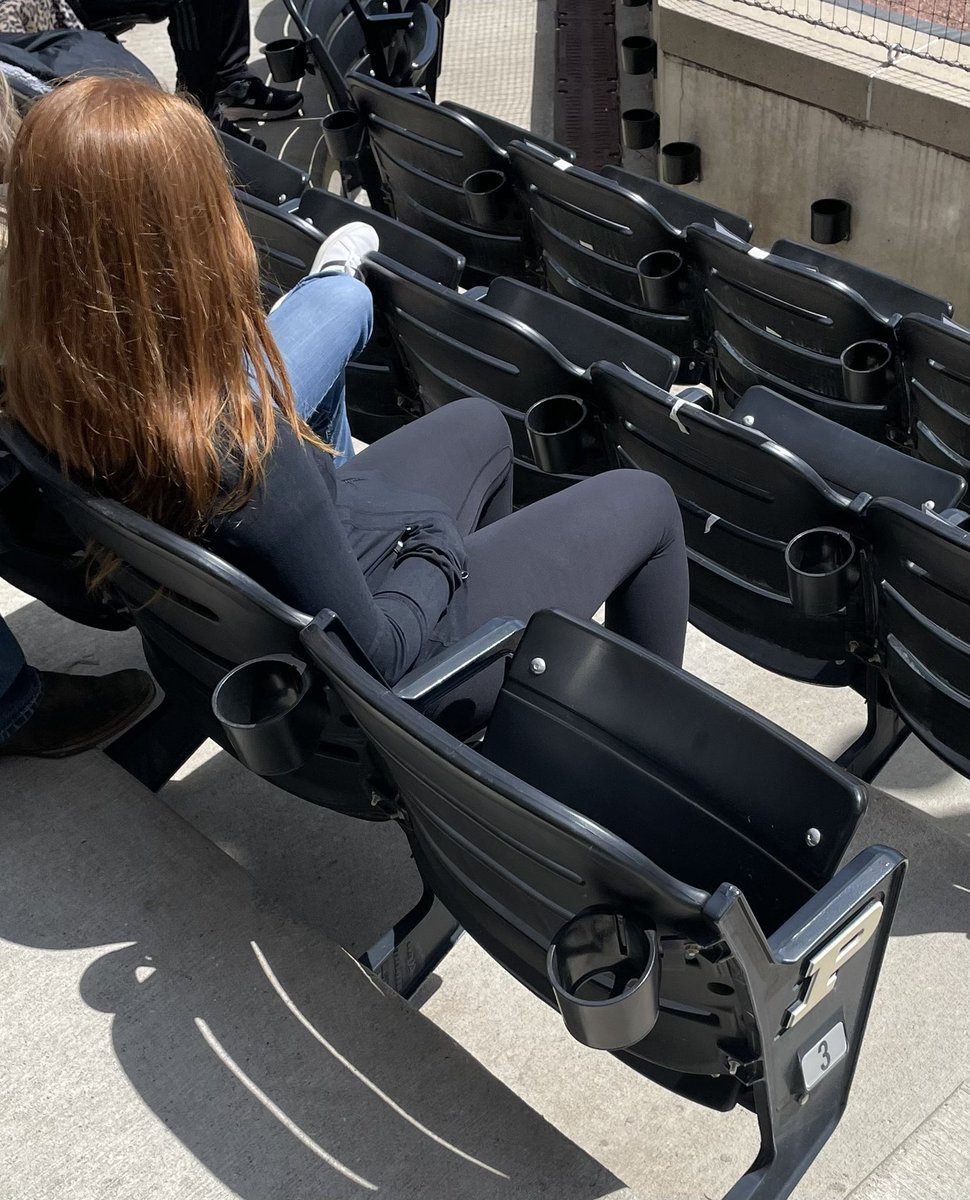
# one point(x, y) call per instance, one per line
point(813, 837)
point(537, 666)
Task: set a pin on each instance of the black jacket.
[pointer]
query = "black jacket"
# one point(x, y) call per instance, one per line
point(389, 562)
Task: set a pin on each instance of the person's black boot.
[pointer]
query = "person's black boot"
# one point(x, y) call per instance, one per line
point(79, 712)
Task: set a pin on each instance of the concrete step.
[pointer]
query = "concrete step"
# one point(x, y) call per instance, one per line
point(934, 1161)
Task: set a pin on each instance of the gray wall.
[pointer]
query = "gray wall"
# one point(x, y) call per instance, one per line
point(768, 155)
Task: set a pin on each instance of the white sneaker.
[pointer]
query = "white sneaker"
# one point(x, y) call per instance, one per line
point(345, 249)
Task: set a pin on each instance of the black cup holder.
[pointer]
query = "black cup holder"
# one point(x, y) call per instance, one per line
point(681, 162)
point(488, 196)
point(343, 132)
point(273, 712)
point(605, 975)
point(640, 128)
point(831, 221)
point(867, 372)
point(822, 570)
point(286, 59)
point(639, 55)
point(660, 274)
point(556, 427)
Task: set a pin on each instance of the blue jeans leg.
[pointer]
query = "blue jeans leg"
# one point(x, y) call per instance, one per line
point(19, 685)
point(319, 327)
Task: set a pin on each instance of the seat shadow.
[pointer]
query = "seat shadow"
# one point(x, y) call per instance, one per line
point(264, 1048)
point(936, 891)
point(348, 878)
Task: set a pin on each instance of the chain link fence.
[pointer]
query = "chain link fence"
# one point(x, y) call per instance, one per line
point(935, 30)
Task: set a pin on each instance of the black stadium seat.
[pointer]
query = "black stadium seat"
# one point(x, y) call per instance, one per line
point(747, 486)
point(936, 365)
point(198, 617)
point(262, 176)
point(425, 153)
point(671, 884)
point(42, 557)
point(592, 230)
point(921, 567)
point(400, 48)
point(781, 323)
point(890, 298)
point(516, 345)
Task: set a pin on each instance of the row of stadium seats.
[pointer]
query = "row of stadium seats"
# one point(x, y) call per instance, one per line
point(847, 455)
point(875, 354)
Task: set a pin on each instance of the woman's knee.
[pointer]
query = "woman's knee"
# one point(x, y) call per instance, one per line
point(642, 499)
point(340, 302)
point(483, 423)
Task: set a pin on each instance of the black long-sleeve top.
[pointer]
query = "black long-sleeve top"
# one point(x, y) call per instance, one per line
point(389, 562)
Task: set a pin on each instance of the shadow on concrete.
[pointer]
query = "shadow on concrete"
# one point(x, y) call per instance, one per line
point(348, 878)
point(936, 891)
point(284, 1069)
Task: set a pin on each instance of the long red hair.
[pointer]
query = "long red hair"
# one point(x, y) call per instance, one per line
point(135, 338)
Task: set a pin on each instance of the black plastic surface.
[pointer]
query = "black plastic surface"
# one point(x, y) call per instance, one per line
point(922, 570)
point(936, 365)
point(775, 322)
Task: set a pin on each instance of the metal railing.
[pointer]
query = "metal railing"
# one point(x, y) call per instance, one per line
point(935, 30)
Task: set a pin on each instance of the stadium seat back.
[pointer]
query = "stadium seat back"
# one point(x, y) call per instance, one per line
point(783, 325)
point(261, 175)
point(591, 233)
point(453, 346)
point(424, 153)
point(287, 242)
point(922, 573)
point(936, 364)
point(743, 497)
point(890, 298)
point(42, 557)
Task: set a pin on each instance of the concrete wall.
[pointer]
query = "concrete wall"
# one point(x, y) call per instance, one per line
point(784, 118)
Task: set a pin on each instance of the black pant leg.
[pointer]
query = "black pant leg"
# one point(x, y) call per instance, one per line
point(617, 537)
point(210, 39)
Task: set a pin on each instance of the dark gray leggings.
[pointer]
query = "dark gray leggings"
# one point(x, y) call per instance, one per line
point(616, 537)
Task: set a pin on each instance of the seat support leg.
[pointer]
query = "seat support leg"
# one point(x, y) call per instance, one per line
point(154, 748)
point(884, 733)
point(788, 1148)
point(406, 955)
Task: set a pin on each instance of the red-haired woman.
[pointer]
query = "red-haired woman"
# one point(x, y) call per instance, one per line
point(139, 357)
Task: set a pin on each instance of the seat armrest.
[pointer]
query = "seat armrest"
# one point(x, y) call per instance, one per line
point(495, 639)
point(955, 517)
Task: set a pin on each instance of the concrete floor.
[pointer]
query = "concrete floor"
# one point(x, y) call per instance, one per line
point(180, 1021)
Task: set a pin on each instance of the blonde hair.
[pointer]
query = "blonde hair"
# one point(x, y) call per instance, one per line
point(9, 124)
point(135, 340)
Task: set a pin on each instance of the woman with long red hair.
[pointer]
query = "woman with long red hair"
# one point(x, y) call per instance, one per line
point(138, 356)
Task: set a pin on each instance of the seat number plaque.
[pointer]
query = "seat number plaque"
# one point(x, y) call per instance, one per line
point(818, 1060)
